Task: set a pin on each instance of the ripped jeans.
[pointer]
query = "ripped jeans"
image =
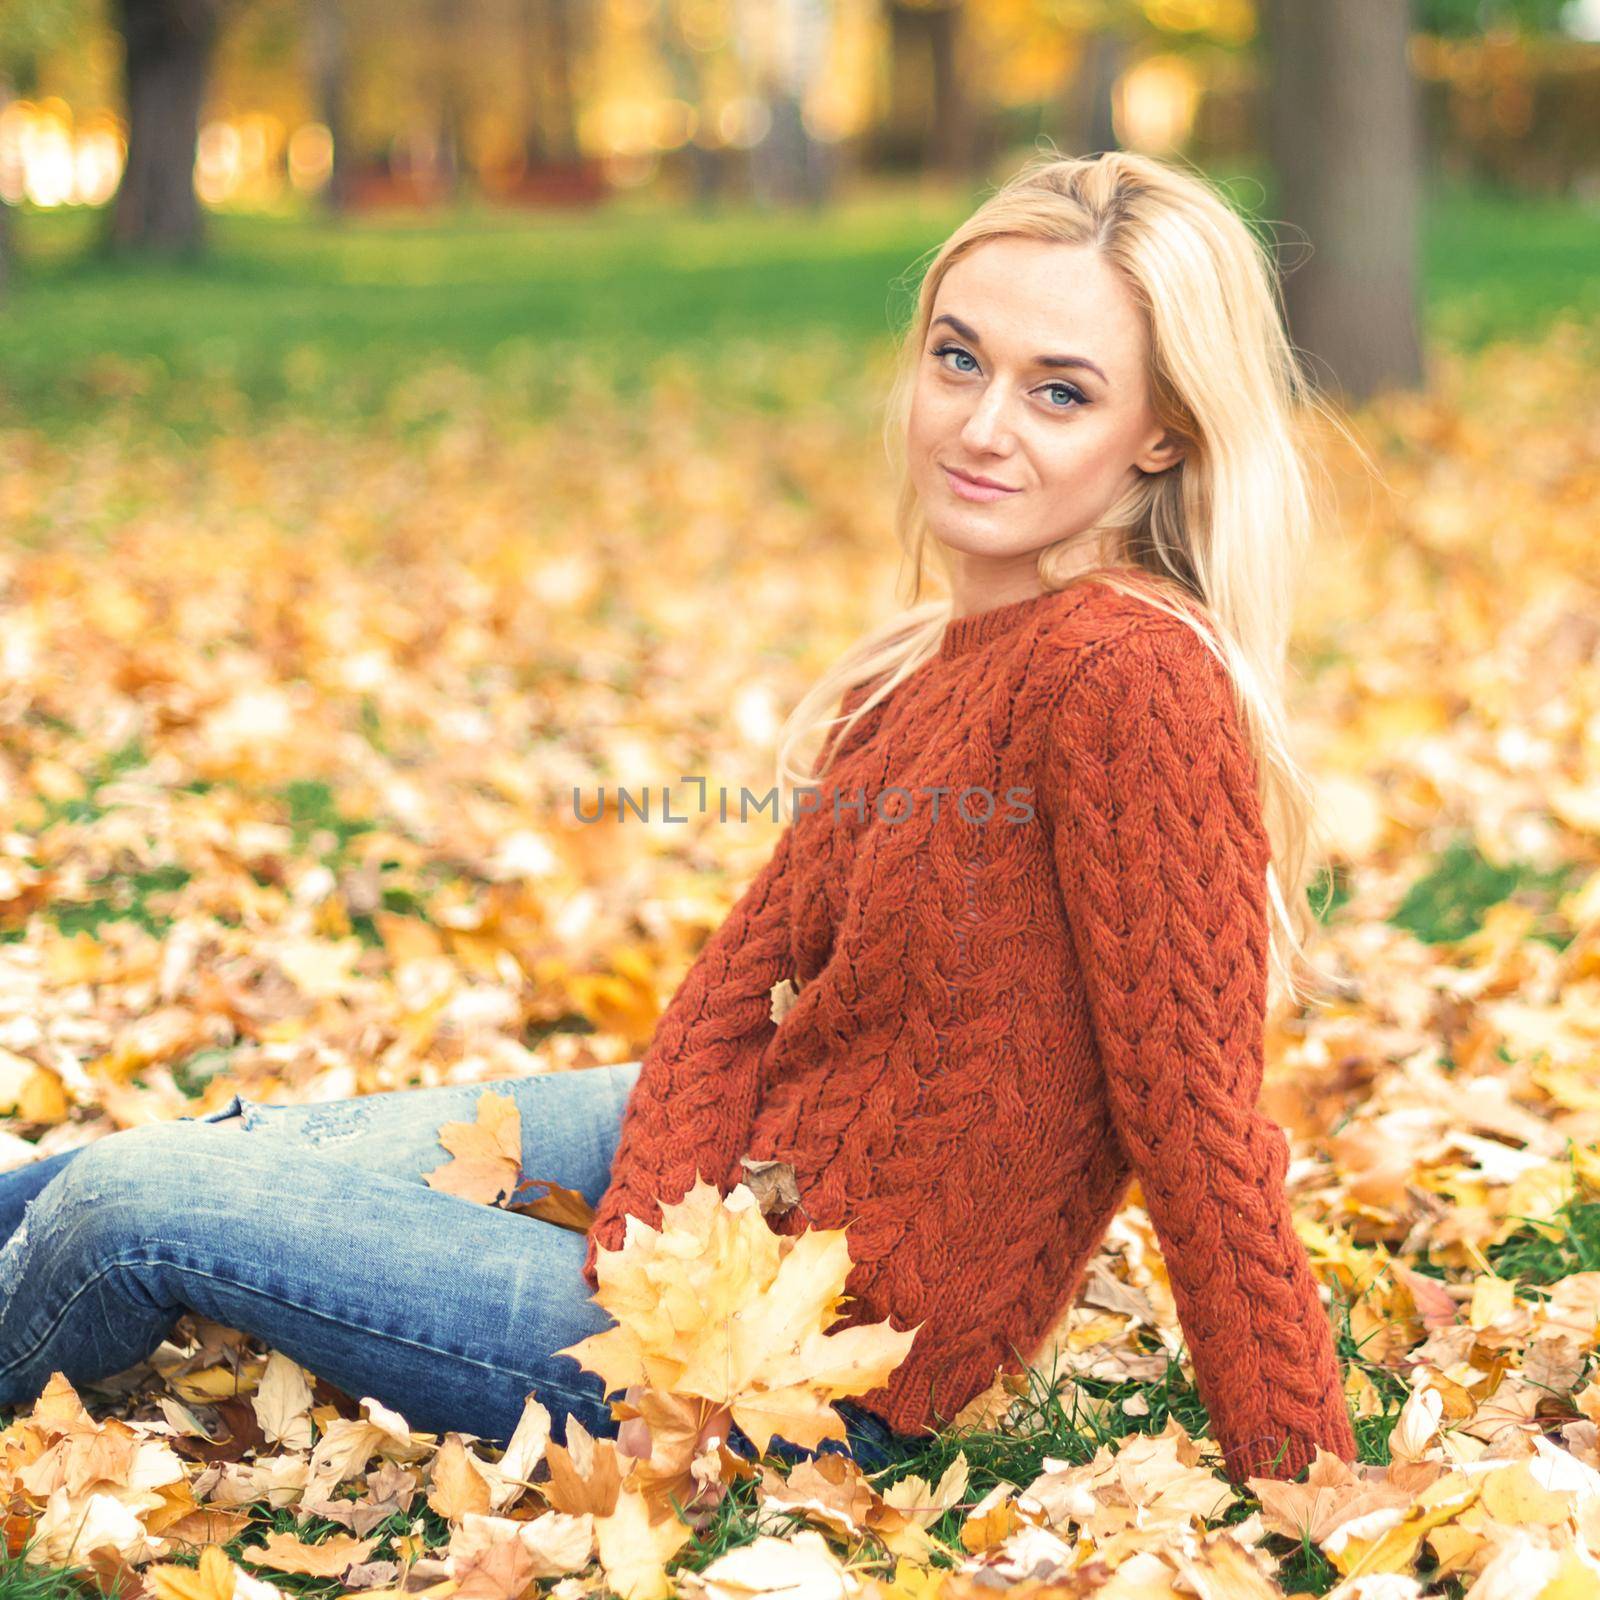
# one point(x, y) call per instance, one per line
point(310, 1228)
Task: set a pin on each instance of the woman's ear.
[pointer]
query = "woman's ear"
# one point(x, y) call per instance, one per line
point(1166, 452)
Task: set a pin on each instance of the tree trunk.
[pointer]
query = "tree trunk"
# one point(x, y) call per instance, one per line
point(448, 100)
point(929, 118)
point(8, 232)
point(1088, 125)
point(705, 168)
point(533, 28)
point(167, 45)
point(951, 142)
point(325, 44)
point(1344, 132)
point(561, 113)
point(790, 165)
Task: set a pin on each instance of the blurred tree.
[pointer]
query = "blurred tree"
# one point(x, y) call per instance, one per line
point(548, 92)
point(449, 95)
point(28, 28)
point(325, 38)
point(1111, 36)
point(929, 117)
point(1344, 139)
point(783, 45)
point(167, 48)
point(572, 26)
point(705, 168)
point(1107, 31)
point(556, 34)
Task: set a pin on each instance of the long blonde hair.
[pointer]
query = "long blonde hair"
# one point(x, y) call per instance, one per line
point(1225, 528)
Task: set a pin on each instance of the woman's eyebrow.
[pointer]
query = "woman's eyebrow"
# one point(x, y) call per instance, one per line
point(1039, 361)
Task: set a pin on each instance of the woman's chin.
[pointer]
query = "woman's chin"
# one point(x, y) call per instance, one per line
point(972, 536)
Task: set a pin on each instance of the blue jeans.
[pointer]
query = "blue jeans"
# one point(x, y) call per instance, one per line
point(310, 1228)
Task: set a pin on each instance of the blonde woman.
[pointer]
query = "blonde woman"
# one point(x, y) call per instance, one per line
point(1026, 916)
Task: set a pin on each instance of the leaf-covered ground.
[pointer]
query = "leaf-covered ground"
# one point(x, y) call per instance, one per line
point(292, 723)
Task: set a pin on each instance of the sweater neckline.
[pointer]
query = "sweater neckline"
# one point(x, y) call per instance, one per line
point(974, 629)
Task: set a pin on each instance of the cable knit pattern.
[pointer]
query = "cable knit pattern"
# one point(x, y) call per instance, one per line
point(1002, 1023)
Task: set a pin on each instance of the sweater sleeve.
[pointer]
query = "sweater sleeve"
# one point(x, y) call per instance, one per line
point(1148, 786)
point(693, 1102)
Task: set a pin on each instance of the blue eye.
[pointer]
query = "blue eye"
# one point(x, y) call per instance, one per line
point(955, 349)
point(1075, 396)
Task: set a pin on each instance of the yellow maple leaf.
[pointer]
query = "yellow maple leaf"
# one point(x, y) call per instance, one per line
point(634, 1550)
point(212, 1579)
point(910, 1582)
point(31, 1092)
point(486, 1162)
point(715, 1304)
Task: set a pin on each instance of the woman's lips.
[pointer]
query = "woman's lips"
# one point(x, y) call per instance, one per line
point(967, 490)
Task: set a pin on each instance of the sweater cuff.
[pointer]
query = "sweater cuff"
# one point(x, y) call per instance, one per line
point(1256, 1444)
point(607, 1229)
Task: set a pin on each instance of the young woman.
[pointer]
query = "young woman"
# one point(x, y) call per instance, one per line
point(1023, 925)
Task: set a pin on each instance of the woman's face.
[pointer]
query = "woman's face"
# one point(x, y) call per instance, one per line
point(1062, 436)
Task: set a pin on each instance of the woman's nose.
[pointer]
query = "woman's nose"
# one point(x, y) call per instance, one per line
point(987, 427)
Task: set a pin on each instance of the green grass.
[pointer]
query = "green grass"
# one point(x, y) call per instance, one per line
point(336, 321)
point(1450, 901)
point(1539, 1255)
point(21, 1579)
point(1498, 267)
point(294, 312)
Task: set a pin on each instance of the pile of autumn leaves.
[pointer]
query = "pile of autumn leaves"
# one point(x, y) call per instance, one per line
point(195, 628)
point(719, 1322)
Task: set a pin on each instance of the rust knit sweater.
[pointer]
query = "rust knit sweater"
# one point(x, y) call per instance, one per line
point(1001, 1024)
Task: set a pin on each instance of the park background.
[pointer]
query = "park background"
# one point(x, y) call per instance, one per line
point(413, 413)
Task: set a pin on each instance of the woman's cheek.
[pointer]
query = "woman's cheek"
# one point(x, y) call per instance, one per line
point(918, 436)
point(1075, 462)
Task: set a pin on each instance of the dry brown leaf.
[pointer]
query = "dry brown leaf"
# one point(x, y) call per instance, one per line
point(556, 1204)
point(282, 1403)
point(585, 1474)
point(486, 1154)
point(457, 1483)
point(328, 1558)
